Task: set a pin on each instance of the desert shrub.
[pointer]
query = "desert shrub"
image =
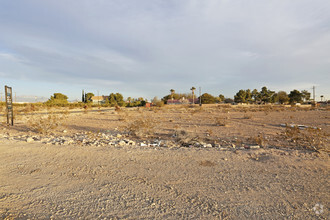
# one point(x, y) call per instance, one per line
point(309, 138)
point(157, 102)
point(247, 116)
point(260, 140)
point(209, 132)
point(123, 115)
point(220, 121)
point(30, 107)
point(197, 110)
point(117, 108)
point(44, 124)
point(142, 126)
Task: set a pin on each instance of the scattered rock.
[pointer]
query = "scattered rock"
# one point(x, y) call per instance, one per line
point(122, 143)
point(255, 147)
point(131, 142)
point(29, 139)
point(105, 139)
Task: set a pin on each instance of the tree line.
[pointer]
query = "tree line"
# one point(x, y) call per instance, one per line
point(114, 99)
point(247, 96)
point(267, 96)
point(242, 96)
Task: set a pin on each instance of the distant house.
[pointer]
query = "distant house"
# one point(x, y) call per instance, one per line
point(99, 99)
point(182, 101)
point(148, 104)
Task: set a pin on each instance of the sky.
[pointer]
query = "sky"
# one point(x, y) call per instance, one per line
point(145, 48)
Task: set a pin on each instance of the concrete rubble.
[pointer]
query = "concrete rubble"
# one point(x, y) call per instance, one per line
point(119, 140)
point(298, 126)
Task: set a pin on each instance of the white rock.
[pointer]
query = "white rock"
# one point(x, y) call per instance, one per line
point(255, 147)
point(29, 139)
point(121, 143)
point(131, 143)
point(70, 141)
point(65, 131)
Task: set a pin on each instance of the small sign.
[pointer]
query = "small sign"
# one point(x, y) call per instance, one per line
point(9, 104)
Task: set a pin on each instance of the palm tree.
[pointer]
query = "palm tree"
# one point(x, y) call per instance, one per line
point(193, 94)
point(172, 93)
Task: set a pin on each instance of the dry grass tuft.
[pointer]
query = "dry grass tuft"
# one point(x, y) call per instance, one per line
point(207, 163)
point(221, 121)
point(47, 123)
point(143, 126)
point(260, 140)
point(309, 138)
point(247, 116)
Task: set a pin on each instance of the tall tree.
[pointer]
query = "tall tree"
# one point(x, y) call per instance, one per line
point(207, 99)
point(83, 96)
point(306, 95)
point(58, 98)
point(221, 98)
point(193, 94)
point(295, 96)
point(255, 95)
point(88, 97)
point(116, 99)
point(248, 96)
point(266, 94)
point(240, 96)
point(172, 93)
point(282, 97)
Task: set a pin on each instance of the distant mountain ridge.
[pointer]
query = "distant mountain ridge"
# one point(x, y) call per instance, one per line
point(29, 99)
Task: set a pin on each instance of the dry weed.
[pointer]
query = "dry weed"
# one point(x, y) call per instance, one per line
point(260, 140)
point(143, 126)
point(207, 163)
point(209, 132)
point(221, 121)
point(123, 115)
point(44, 124)
point(197, 110)
point(247, 116)
point(309, 138)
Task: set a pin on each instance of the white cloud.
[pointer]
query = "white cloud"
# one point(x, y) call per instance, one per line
point(220, 45)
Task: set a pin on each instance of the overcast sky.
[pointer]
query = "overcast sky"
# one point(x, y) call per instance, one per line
point(145, 48)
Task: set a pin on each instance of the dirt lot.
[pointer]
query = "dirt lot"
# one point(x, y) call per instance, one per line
point(205, 170)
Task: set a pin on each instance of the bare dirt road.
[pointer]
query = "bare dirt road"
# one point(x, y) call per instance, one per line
point(106, 165)
point(39, 181)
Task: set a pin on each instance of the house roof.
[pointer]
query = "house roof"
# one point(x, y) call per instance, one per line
point(182, 101)
point(99, 98)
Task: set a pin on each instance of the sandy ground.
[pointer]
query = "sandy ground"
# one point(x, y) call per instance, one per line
point(39, 181)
